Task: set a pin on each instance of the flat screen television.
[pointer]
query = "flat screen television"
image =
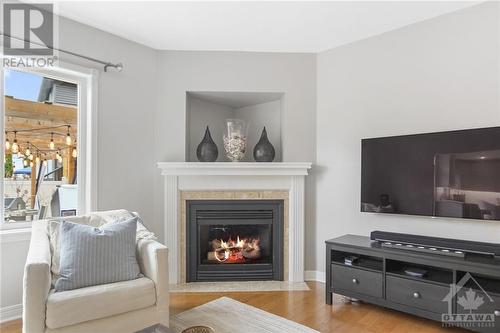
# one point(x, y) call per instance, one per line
point(450, 174)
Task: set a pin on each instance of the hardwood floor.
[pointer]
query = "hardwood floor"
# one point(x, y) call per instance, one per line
point(307, 308)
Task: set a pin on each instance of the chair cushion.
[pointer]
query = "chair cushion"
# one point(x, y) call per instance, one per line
point(91, 256)
point(75, 306)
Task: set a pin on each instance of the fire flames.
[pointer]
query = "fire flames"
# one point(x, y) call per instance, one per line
point(240, 250)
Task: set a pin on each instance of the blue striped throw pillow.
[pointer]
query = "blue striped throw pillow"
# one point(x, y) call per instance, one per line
point(92, 256)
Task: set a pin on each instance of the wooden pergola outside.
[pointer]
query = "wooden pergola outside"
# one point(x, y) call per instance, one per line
point(36, 123)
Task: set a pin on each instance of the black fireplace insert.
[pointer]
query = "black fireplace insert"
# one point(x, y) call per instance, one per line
point(234, 240)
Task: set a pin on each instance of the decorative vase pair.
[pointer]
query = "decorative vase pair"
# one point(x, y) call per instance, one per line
point(235, 141)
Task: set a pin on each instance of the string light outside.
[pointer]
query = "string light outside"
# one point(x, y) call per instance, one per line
point(68, 137)
point(32, 155)
point(7, 142)
point(15, 146)
point(52, 144)
point(74, 153)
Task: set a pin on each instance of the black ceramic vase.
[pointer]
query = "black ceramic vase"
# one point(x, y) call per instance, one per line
point(207, 149)
point(264, 150)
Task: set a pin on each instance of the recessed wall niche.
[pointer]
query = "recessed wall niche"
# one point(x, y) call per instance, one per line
point(258, 109)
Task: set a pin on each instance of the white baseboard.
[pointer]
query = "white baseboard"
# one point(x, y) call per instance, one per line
point(11, 312)
point(315, 276)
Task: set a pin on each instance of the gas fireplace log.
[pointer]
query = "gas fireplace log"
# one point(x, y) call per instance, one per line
point(219, 254)
point(251, 253)
point(212, 255)
point(215, 244)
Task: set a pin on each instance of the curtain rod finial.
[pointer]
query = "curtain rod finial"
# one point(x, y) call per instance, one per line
point(118, 66)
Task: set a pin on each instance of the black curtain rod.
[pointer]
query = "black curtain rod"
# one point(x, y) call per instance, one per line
point(107, 64)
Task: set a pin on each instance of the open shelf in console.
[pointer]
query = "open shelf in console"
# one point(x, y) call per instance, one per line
point(433, 274)
point(363, 261)
point(478, 282)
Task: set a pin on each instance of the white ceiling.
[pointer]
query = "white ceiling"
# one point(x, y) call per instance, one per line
point(251, 26)
point(236, 99)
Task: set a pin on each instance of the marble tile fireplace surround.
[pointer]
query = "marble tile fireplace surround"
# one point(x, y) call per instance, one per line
point(186, 181)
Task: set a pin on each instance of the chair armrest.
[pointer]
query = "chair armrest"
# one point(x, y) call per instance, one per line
point(153, 261)
point(37, 279)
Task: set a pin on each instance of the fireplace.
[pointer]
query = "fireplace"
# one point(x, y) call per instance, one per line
point(234, 240)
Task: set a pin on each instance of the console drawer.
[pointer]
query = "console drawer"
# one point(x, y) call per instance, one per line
point(357, 280)
point(488, 307)
point(422, 295)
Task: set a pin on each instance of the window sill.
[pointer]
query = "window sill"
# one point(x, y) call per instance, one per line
point(15, 235)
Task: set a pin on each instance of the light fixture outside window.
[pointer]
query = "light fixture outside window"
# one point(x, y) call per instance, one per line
point(68, 137)
point(59, 157)
point(15, 146)
point(52, 146)
point(7, 142)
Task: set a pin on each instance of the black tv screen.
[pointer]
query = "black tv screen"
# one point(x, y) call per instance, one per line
point(450, 174)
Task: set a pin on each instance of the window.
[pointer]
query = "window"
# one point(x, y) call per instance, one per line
point(47, 134)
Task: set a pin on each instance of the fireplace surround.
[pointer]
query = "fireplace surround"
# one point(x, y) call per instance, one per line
point(234, 240)
point(234, 181)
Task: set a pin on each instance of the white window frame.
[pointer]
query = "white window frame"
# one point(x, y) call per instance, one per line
point(87, 80)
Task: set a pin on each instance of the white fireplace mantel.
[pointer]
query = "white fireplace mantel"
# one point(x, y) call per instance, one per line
point(221, 176)
point(234, 169)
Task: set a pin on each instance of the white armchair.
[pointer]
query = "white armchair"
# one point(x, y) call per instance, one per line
point(126, 306)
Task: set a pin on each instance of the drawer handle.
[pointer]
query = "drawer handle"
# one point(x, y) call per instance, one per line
point(355, 281)
point(497, 313)
point(416, 295)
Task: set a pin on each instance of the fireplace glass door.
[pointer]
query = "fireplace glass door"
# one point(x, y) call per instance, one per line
point(226, 243)
point(234, 240)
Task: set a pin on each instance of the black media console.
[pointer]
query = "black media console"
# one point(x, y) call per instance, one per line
point(359, 268)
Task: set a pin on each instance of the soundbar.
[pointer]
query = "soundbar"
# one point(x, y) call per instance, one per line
point(445, 246)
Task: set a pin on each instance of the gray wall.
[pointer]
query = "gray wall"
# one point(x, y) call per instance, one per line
point(441, 74)
point(125, 117)
point(292, 74)
point(12, 256)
